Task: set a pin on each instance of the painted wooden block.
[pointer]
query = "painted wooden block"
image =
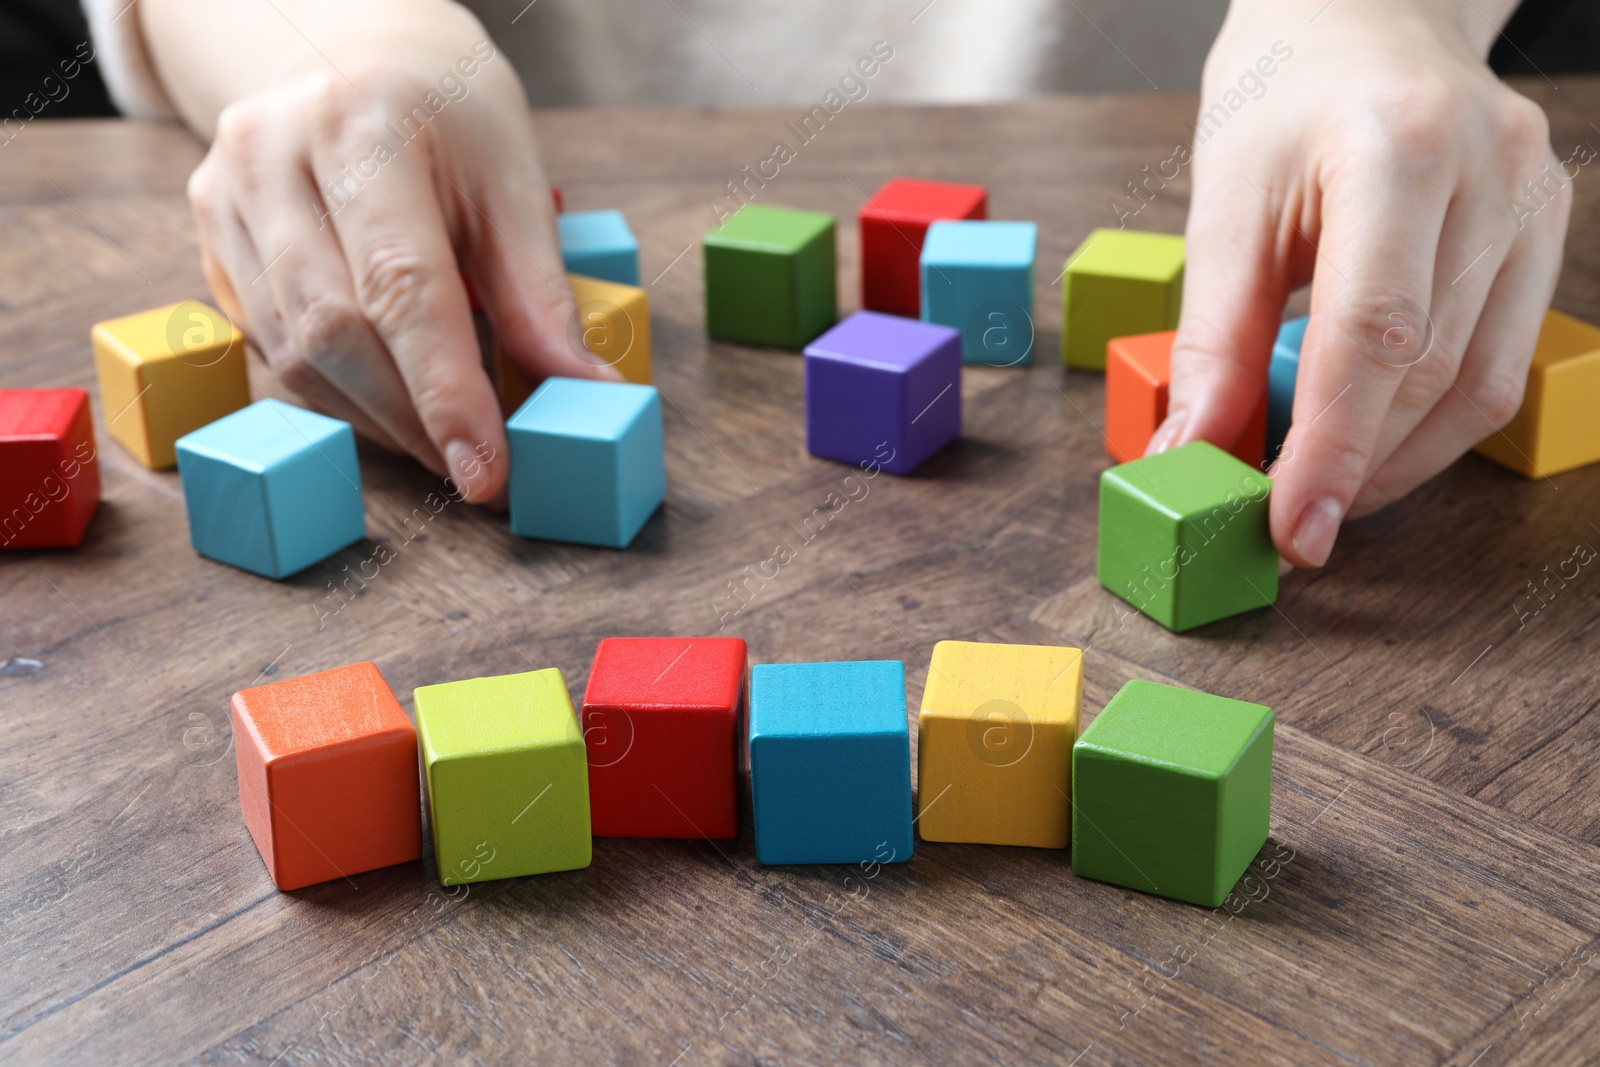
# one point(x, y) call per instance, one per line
point(1556, 428)
point(1118, 283)
point(994, 743)
point(327, 775)
point(49, 471)
point(830, 762)
point(586, 462)
point(880, 386)
point(272, 488)
point(1172, 792)
point(1184, 537)
point(1138, 374)
point(769, 277)
point(613, 323)
point(1281, 375)
point(978, 277)
point(893, 225)
point(598, 244)
point(166, 372)
point(508, 787)
point(660, 719)
point(556, 198)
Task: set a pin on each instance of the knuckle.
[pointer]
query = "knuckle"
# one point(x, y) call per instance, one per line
point(1417, 117)
point(1431, 375)
point(1523, 128)
point(1498, 396)
point(294, 370)
point(327, 325)
point(393, 282)
point(240, 126)
point(204, 192)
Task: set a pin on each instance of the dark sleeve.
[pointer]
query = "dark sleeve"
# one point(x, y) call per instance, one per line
point(36, 37)
point(1550, 37)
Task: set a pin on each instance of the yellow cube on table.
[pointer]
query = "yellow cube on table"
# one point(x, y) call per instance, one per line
point(1557, 427)
point(165, 372)
point(994, 743)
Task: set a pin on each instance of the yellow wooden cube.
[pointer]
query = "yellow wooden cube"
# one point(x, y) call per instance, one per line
point(1555, 430)
point(994, 748)
point(166, 372)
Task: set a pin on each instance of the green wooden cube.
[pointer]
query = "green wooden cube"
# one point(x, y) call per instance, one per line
point(1117, 284)
point(1184, 537)
point(1172, 792)
point(507, 774)
point(770, 277)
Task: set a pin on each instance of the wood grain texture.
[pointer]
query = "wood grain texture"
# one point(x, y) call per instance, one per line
point(1427, 895)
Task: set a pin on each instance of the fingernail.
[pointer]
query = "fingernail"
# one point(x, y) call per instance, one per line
point(1284, 566)
point(465, 469)
point(1316, 529)
point(1167, 434)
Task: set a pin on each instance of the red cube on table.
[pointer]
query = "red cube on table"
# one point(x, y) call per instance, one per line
point(49, 474)
point(893, 224)
point(660, 719)
point(1138, 372)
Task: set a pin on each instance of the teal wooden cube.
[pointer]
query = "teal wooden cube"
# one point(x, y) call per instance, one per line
point(271, 488)
point(830, 762)
point(1281, 375)
point(599, 244)
point(586, 461)
point(769, 276)
point(978, 277)
point(1172, 792)
point(507, 776)
point(1184, 536)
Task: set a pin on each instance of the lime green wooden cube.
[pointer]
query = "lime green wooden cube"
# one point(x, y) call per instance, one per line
point(507, 774)
point(1117, 284)
point(1184, 536)
point(770, 277)
point(1172, 792)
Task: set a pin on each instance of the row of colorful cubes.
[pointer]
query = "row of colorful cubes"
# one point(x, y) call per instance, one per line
point(1168, 791)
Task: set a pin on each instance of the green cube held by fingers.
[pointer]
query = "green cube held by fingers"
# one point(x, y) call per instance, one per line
point(507, 776)
point(770, 277)
point(1184, 536)
point(1118, 283)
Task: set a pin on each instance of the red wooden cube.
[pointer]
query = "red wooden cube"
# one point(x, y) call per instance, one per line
point(893, 224)
point(1138, 372)
point(49, 474)
point(660, 719)
point(328, 777)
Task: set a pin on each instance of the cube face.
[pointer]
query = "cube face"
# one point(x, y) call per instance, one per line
point(600, 245)
point(272, 488)
point(612, 323)
point(660, 720)
point(995, 736)
point(1184, 537)
point(1117, 284)
point(877, 382)
point(769, 277)
point(49, 471)
point(508, 786)
point(893, 226)
point(1172, 790)
point(586, 462)
point(830, 763)
point(978, 278)
point(327, 775)
point(1554, 430)
point(1281, 375)
point(166, 372)
point(1138, 375)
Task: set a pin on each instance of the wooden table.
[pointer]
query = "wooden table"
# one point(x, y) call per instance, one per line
point(1431, 892)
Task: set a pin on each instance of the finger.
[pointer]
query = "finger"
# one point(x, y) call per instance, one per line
point(305, 273)
point(1380, 232)
point(408, 286)
point(1494, 372)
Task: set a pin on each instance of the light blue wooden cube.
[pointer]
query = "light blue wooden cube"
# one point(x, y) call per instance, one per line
point(599, 244)
point(978, 277)
point(1281, 375)
point(271, 488)
point(586, 461)
point(830, 762)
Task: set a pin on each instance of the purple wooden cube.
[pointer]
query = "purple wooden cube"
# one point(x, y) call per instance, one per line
point(876, 383)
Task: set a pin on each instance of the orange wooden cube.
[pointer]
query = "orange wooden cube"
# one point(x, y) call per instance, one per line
point(328, 778)
point(1138, 371)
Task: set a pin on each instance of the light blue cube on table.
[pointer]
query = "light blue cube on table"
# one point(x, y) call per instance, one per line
point(272, 488)
point(830, 762)
point(1281, 375)
point(599, 244)
point(586, 461)
point(978, 277)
